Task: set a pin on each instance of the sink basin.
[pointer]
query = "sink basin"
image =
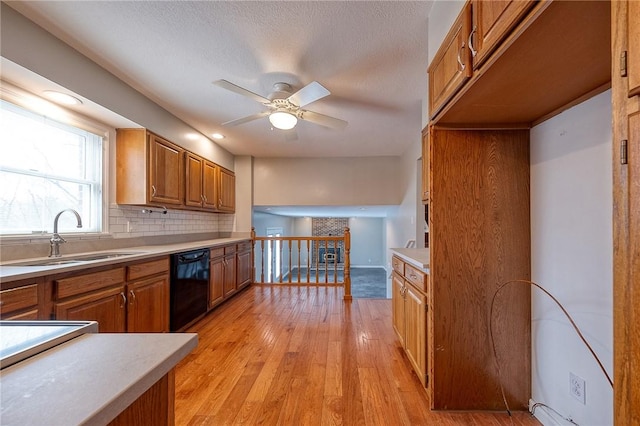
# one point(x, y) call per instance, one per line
point(52, 261)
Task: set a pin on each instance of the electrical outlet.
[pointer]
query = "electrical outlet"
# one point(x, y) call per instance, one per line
point(577, 388)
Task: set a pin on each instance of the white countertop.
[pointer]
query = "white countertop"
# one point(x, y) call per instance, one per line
point(9, 272)
point(418, 257)
point(90, 379)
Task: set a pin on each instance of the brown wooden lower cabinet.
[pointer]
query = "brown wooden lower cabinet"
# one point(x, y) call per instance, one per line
point(409, 305)
point(19, 303)
point(244, 265)
point(140, 304)
point(147, 309)
point(230, 284)
point(216, 277)
point(107, 307)
point(154, 407)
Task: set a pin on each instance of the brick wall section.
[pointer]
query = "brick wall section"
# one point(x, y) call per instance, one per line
point(321, 227)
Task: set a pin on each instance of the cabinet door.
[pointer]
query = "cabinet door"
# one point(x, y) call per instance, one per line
point(216, 281)
point(633, 46)
point(107, 307)
point(397, 298)
point(416, 327)
point(193, 186)
point(244, 269)
point(492, 21)
point(210, 185)
point(451, 66)
point(229, 275)
point(166, 172)
point(227, 195)
point(148, 305)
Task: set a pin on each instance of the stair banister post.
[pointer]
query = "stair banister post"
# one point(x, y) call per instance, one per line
point(347, 264)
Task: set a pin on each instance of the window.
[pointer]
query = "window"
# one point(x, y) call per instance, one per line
point(45, 167)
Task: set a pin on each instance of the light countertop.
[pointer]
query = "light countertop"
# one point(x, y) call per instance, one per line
point(10, 272)
point(418, 257)
point(89, 379)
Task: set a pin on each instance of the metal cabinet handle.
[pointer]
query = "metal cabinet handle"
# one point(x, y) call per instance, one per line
point(462, 65)
point(124, 299)
point(204, 198)
point(153, 190)
point(133, 297)
point(473, 51)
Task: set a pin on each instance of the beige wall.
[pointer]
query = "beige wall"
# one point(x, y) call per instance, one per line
point(327, 181)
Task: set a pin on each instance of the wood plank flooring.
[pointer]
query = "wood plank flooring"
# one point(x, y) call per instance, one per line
point(288, 355)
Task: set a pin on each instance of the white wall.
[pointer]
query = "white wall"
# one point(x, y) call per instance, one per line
point(367, 241)
point(571, 255)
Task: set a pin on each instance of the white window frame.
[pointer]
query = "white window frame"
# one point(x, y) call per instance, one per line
point(41, 106)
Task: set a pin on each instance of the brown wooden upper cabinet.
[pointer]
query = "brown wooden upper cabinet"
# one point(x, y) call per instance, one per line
point(227, 191)
point(149, 169)
point(633, 48)
point(451, 66)
point(475, 34)
point(492, 21)
point(153, 171)
point(201, 182)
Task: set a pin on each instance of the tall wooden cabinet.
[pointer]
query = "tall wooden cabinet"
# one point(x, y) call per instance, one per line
point(626, 209)
point(479, 238)
point(524, 71)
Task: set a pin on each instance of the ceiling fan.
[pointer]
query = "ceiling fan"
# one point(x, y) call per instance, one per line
point(285, 108)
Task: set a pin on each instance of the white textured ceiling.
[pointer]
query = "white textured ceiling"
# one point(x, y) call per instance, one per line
point(372, 56)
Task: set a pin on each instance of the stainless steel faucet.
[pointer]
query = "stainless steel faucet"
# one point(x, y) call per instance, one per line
point(56, 239)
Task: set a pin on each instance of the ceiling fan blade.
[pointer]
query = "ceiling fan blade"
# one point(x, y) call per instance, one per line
point(309, 93)
point(324, 120)
point(243, 120)
point(241, 91)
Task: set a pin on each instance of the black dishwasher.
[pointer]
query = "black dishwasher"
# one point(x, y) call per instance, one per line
point(189, 295)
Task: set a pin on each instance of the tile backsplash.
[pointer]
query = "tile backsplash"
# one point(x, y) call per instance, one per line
point(132, 221)
point(129, 226)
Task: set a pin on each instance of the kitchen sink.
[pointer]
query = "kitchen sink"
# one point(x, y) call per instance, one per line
point(52, 261)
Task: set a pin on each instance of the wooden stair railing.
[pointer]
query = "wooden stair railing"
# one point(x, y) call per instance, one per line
point(316, 260)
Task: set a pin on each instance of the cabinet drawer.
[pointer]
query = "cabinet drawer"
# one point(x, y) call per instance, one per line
point(19, 298)
point(397, 265)
point(84, 283)
point(416, 277)
point(217, 252)
point(244, 246)
point(230, 249)
point(147, 268)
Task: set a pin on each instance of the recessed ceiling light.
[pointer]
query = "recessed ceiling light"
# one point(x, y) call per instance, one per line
point(62, 98)
point(217, 136)
point(192, 136)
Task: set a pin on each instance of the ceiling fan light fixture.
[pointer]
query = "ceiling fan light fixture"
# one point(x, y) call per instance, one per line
point(283, 120)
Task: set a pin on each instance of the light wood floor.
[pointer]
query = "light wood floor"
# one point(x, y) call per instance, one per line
point(286, 355)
